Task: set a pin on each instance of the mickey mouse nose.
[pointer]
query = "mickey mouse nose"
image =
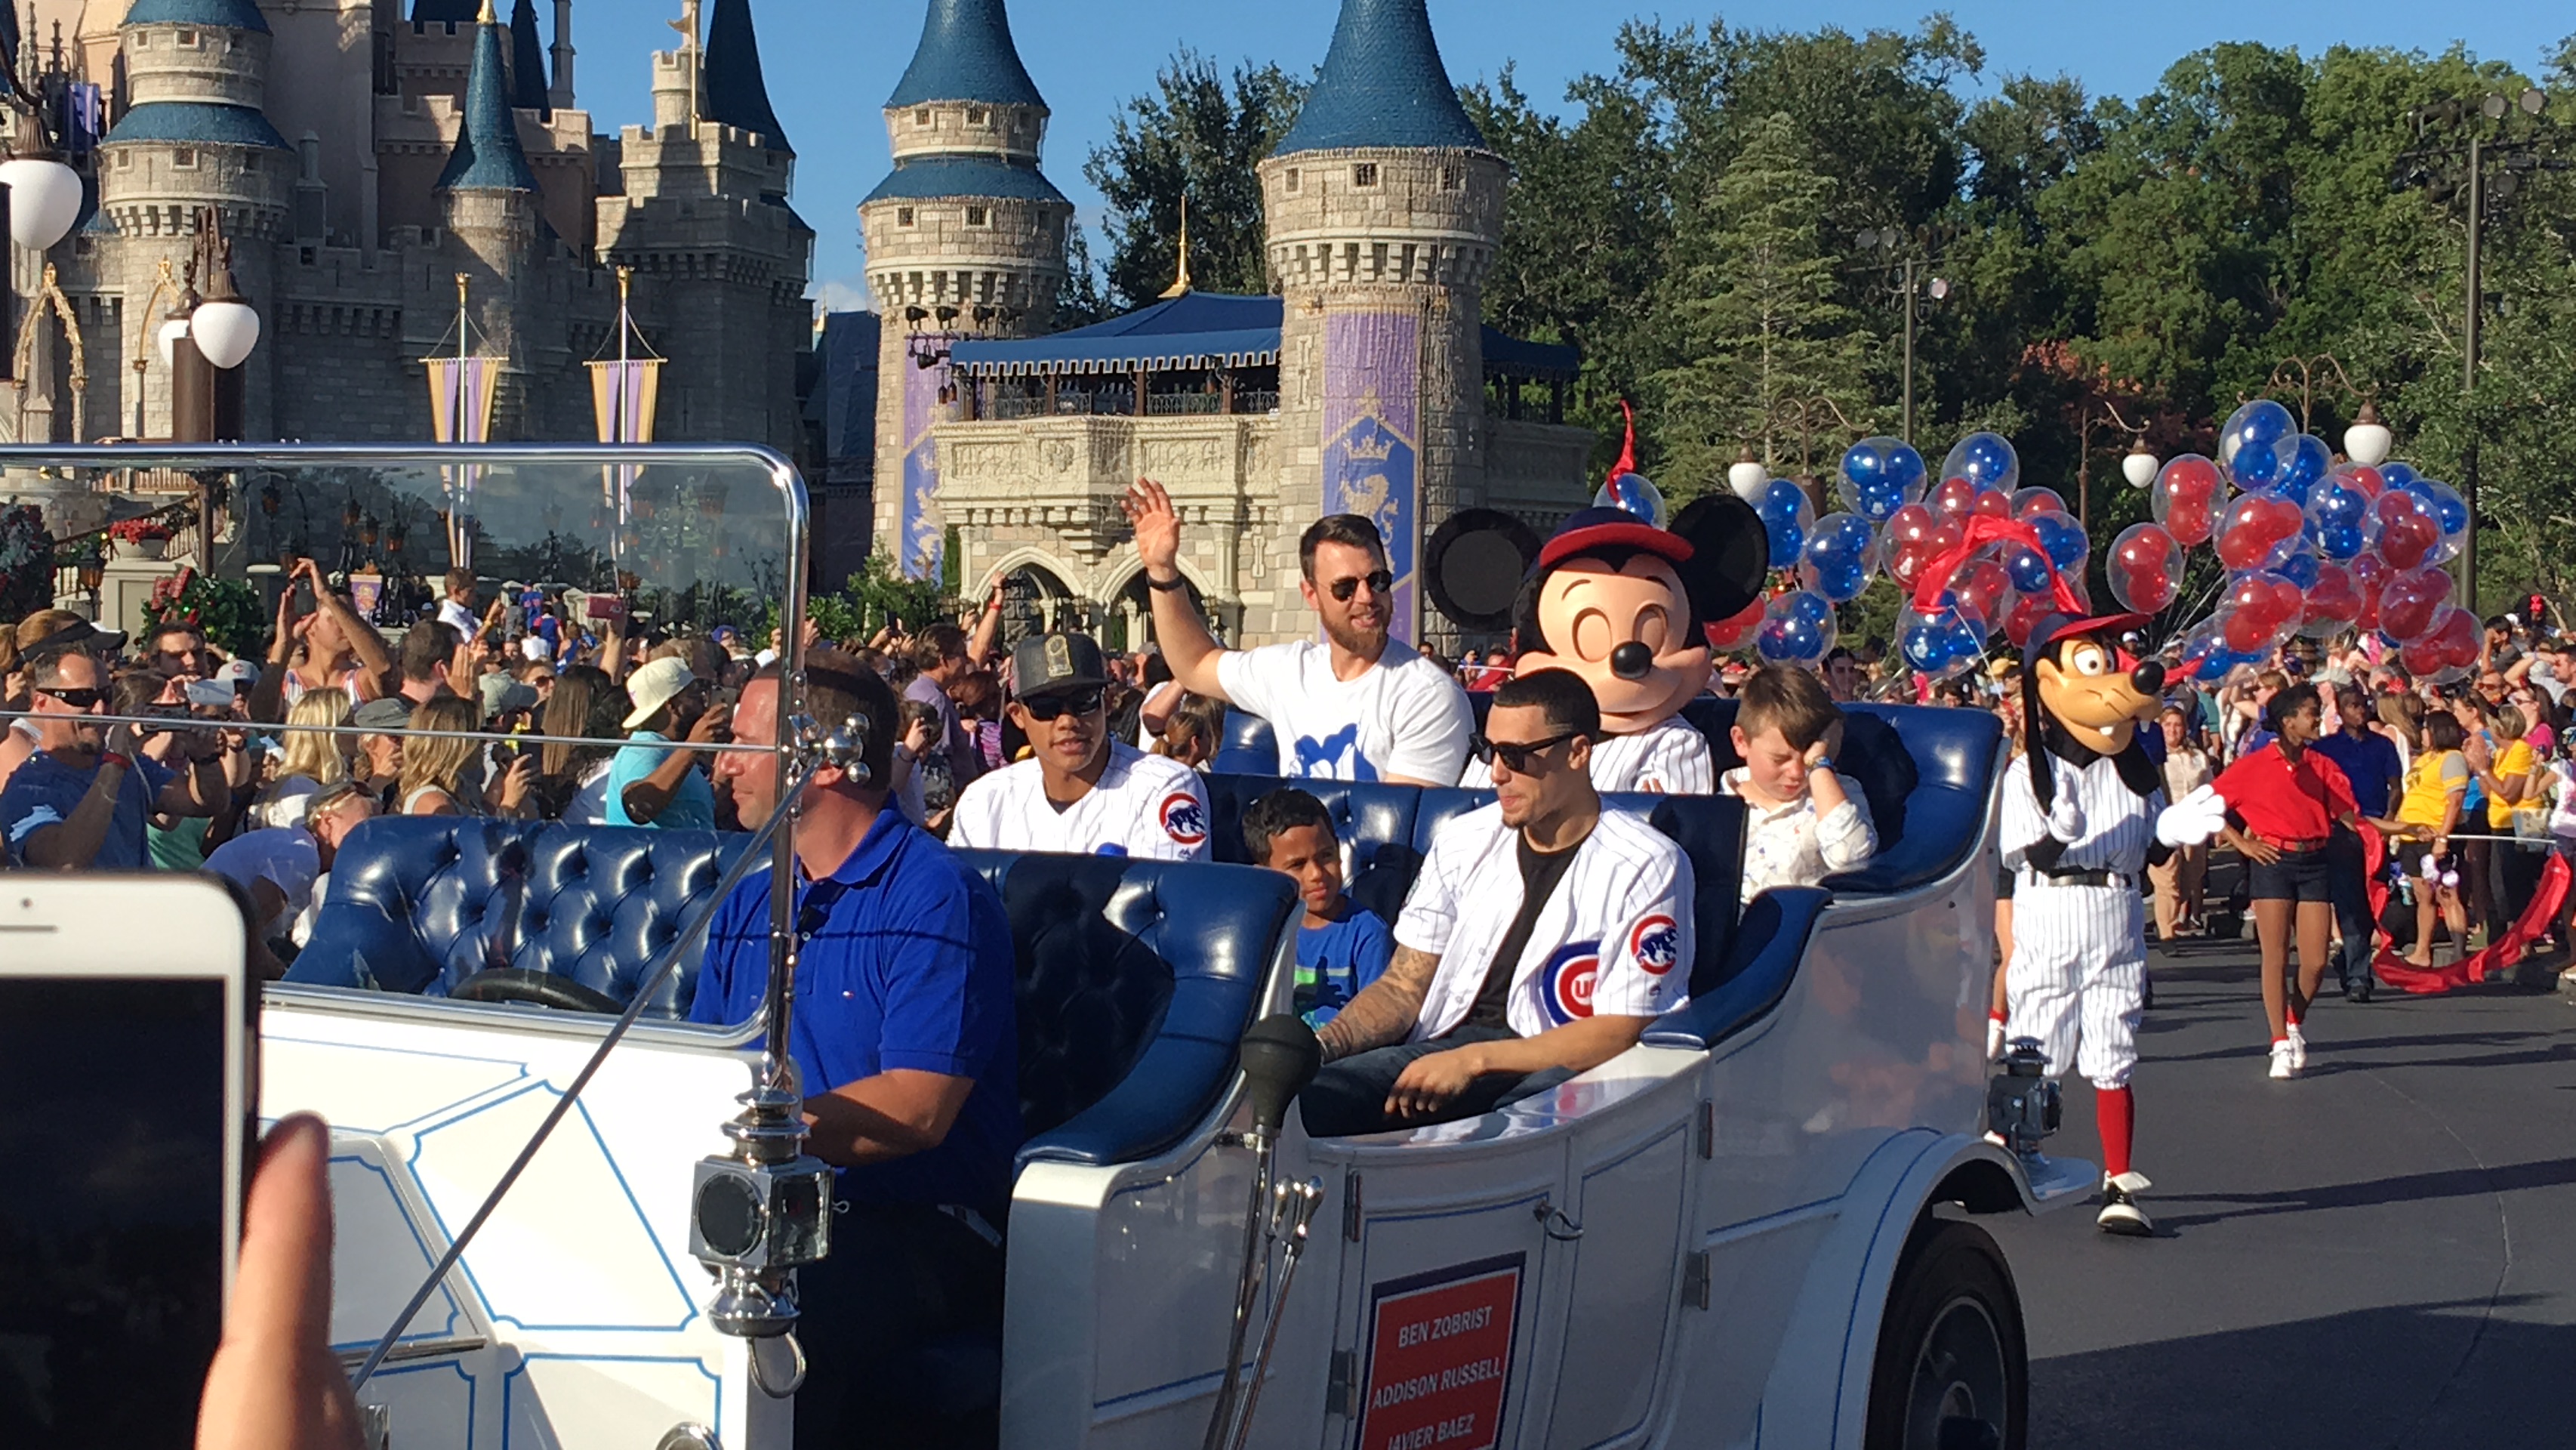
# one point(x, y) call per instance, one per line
point(1632, 661)
point(2149, 677)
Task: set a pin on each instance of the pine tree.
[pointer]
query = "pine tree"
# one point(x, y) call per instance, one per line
point(1760, 333)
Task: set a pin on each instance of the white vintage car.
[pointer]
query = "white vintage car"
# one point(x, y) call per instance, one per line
point(1754, 1228)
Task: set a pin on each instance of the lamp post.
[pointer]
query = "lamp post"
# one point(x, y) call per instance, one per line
point(1907, 286)
point(2444, 171)
point(40, 196)
point(206, 382)
point(2138, 466)
point(1785, 415)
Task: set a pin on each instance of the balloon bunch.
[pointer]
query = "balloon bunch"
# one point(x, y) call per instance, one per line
point(1978, 554)
point(2310, 547)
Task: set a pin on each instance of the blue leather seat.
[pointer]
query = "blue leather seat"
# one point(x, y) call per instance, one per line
point(1927, 773)
point(1375, 822)
point(420, 903)
point(1136, 979)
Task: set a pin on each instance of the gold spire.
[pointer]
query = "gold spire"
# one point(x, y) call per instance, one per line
point(1181, 286)
point(488, 18)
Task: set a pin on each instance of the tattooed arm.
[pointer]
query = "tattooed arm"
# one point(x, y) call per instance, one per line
point(1385, 1010)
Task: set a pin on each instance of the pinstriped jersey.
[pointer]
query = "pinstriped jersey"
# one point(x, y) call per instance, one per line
point(1615, 938)
point(2119, 824)
point(1147, 806)
point(1670, 757)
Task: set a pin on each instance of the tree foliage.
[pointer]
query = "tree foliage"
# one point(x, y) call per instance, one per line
point(1200, 135)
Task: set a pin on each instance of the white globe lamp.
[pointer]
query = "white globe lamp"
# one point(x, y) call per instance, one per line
point(1746, 475)
point(2368, 440)
point(225, 331)
point(44, 200)
point(169, 335)
point(2140, 467)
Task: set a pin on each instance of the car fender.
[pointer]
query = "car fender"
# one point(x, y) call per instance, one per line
point(1820, 1383)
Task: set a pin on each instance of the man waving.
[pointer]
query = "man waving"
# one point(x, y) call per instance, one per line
point(1351, 708)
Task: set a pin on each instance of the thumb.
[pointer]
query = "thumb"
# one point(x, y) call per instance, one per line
point(282, 1293)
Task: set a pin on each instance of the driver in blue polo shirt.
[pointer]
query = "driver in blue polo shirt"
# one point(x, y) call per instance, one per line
point(907, 1048)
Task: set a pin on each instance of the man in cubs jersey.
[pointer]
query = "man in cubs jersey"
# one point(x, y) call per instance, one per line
point(1080, 792)
point(1541, 937)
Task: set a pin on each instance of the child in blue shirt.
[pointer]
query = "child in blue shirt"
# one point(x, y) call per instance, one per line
point(1341, 946)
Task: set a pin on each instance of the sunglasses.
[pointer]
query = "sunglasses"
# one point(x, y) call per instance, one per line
point(1379, 583)
point(1516, 756)
point(77, 699)
point(1048, 707)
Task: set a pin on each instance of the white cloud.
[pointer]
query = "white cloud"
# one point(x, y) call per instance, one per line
point(839, 294)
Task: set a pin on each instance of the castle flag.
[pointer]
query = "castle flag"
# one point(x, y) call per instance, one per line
point(623, 396)
point(460, 401)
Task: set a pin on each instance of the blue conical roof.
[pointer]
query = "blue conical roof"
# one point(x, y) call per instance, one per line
point(966, 54)
point(1383, 85)
point(527, 60)
point(734, 91)
point(223, 14)
point(487, 155)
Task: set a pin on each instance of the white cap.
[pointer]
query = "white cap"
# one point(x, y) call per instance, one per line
point(654, 686)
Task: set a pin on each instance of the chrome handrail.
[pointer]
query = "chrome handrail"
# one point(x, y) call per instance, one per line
point(399, 732)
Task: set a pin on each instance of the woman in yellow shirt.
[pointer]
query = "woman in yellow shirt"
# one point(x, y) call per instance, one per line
point(2435, 786)
point(2508, 775)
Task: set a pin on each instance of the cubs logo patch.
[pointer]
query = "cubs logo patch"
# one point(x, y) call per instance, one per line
point(1184, 819)
point(1656, 943)
point(1565, 983)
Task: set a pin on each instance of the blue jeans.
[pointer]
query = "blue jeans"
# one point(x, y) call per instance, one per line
point(1349, 1096)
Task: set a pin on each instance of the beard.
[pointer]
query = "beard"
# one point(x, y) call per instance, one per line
point(1367, 644)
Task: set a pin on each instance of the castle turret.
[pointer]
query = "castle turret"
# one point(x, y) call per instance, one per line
point(528, 91)
point(1385, 207)
point(489, 196)
point(733, 92)
point(965, 239)
point(194, 140)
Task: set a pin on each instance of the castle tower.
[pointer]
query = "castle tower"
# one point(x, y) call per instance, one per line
point(560, 96)
point(964, 240)
point(195, 139)
point(528, 89)
point(1385, 207)
point(720, 258)
point(488, 194)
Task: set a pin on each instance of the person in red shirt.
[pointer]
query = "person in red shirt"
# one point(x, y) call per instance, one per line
point(2283, 803)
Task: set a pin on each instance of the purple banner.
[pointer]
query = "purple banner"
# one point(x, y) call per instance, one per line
point(1372, 428)
point(919, 541)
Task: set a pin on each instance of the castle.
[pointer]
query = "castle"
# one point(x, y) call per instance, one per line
point(406, 152)
point(1368, 385)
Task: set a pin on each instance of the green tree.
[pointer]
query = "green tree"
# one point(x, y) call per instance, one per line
point(1757, 315)
point(1199, 136)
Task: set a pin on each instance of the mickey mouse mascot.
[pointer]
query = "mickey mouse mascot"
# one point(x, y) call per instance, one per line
point(1624, 603)
point(2080, 825)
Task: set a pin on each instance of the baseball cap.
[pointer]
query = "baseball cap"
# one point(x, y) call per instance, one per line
point(238, 672)
point(724, 634)
point(1603, 528)
point(654, 686)
point(1046, 663)
point(502, 695)
point(391, 713)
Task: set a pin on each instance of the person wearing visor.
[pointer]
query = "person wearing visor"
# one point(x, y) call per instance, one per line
point(1081, 791)
point(1354, 707)
point(1541, 937)
point(664, 788)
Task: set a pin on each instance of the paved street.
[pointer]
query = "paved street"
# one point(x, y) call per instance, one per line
point(2380, 1254)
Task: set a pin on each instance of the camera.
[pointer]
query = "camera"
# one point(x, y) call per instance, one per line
point(2023, 1105)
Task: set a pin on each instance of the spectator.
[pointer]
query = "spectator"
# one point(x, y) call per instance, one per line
point(1346, 709)
point(2436, 789)
point(908, 1054)
point(308, 763)
point(430, 663)
point(2371, 768)
point(1842, 675)
point(2507, 773)
point(178, 650)
point(979, 714)
point(508, 706)
point(1463, 1019)
point(1341, 945)
point(940, 658)
point(572, 780)
point(179, 840)
point(665, 789)
point(379, 762)
point(1162, 696)
point(458, 608)
point(435, 768)
point(1806, 820)
point(2179, 878)
point(1194, 733)
point(285, 870)
point(1497, 668)
point(911, 775)
point(331, 648)
point(1084, 791)
point(81, 802)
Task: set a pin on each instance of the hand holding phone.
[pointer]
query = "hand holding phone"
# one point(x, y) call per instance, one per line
point(275, 1384)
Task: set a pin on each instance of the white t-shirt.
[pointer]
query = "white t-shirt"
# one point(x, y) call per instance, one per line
point(1403, 718)
point(456, 617)
point(1670, 757)
point(1615, 938)
point(1142, 805)
point(286, 857)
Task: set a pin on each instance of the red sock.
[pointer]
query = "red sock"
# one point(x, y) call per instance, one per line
point(2293, 1015)
point(2115, 1112)
point(1998, 1015)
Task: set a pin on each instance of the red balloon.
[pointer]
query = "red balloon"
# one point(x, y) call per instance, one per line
point(2370, 575)
point(2246, 634)
point(2025, 617)
point(1729, 635)
point(2254, 526)
point(2407, 534)
point(2191, 488)
point(1907, 563)
point(1981, 585)
point(1993, 503)
point(2457, 634)
point(2410, 604)
point(2364, 477)
point(2267, 599)
point(1910, 524)
point(1952, 498)
point(2333, 603)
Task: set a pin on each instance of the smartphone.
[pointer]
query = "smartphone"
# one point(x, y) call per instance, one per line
point(212, 694)
point(127, 1116)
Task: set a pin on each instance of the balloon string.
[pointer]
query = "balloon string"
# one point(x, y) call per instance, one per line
point(1981, 530)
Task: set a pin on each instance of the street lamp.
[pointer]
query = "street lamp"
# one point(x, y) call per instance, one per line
point(2368, 440)
point(1888, 239)
point(207, 340)
point(2138, 467)
point(2141, 466)
point(2442, 172)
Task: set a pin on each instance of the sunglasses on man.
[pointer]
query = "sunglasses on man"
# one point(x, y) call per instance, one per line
point(1516, 756)
point(1049, 707)
point(77, 699)
point(1380, 583)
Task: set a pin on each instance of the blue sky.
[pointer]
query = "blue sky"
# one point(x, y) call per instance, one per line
point(831, 63)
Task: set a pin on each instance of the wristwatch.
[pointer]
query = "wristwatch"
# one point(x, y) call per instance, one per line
point(1824, 763)
point(1175, 584)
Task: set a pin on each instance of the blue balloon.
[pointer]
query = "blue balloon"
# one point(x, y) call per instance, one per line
point(2063, 538)
point(1634, 494)
point(1786, 515)
point(2304, 462)
point(1984, 459)
point(2250, 444)
point(2300, 569)
point(1926, 647)
point(2398, 475)
point(2340, 542)
point(1841, 549)
point(1879, 474)
point(2449, 508)
point(2028, 569)
point(1798, 628)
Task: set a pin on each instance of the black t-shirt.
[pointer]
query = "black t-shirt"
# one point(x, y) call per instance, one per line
point(1540, 872)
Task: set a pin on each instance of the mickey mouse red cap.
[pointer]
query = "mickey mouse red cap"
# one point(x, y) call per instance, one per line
point(1611, 528)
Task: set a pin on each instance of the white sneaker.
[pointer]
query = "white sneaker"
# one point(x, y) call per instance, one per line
point(2120, 1211)
point(2298, 1049)
point(1994, 1040)
point(2285, 1061)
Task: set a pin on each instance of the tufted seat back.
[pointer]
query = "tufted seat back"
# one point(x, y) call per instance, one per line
point(420, 903)
point(1374, 823)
